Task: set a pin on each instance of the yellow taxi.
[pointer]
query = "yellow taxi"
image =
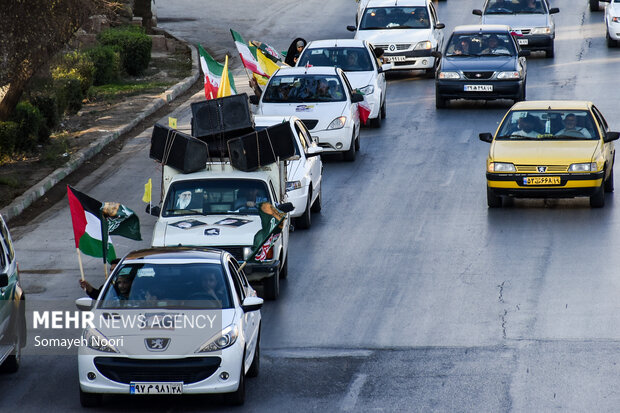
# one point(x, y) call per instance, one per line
point(551, 149)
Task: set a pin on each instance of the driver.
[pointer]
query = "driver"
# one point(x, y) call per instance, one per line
point(571, 128)
point(249, 198)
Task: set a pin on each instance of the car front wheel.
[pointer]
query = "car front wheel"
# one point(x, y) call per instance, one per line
point(609, 183)
point(90, 399)
point(271, 286)
point(610, 42)
point(349, 155)
point(305, 220)
point(550, 52)
point(440, 101)
point(594, 5)
point(237, 398)
point(598, 199)
point(493, 201)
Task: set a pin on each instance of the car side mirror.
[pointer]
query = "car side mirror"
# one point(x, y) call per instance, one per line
point(153, 210)
point(254, 99)
point(4, 280)
point(486, 137)
point(251, 304)
point(476, 12)
point(84, 303)
point(436, 54)
point(385, 67)
point(555, 10)
point(611, 136)
point(524, 53)
point(440, 25)
point(286, 207)
point(351, 28)
point(357, 97)
point(314, 151)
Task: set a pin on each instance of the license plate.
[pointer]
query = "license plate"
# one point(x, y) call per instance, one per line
point(395, 58)
point(478, 88)
point(522, 42)
point(156, 388)
point(542, 180)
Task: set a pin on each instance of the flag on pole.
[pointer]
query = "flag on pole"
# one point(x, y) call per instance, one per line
point(89, 228)
point(248, 58)
point(268, 51)
point(267, 65)
point(213, 74)
point(121, 221)
point(224, 89)
point(363, 108)
point(148, 189)
point(272, 220)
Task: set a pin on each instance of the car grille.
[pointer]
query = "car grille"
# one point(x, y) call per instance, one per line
point(187, 370)
point(534, 168)
point(399, 47)
point(310, 123)
point(478, 75)
point(234, 250)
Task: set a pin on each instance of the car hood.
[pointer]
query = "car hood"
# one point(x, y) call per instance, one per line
point(516, 21)
point(469, 64)
point(324, 112)
point(360, 79)
point(543, 152)
point(192, 230)
point(394, 36)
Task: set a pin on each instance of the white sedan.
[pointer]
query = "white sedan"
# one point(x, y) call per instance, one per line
point(322, 97)
point(357, 59)
point(171, 321)
point(304, 174)
point(612, 21)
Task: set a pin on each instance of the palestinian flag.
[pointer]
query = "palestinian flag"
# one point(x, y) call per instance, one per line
point(121, 221)
point(272, 223)
point(213, 74)
point(248, 58)
point(363, 108)
point(89, 228)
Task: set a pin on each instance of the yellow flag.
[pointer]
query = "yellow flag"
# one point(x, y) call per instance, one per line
point(224, 89)
point(147, 191)
point(268, 66)
point(172, 122)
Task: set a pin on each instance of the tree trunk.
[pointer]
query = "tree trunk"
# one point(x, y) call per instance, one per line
point(11, 99)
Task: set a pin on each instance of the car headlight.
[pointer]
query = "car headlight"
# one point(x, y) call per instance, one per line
point(425, 45)
point(367, 90)
point(337, 123)
point(97, 341)
point(583, 167)
point(292, 185)
point(246, 252)
point(220, 341)
point(615, 19)
point(541, 30)
point(449, 75)
point(508, 75)
point(502, 167)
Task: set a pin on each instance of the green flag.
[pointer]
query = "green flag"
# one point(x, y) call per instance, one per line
point(121, 220)
point(272, 223)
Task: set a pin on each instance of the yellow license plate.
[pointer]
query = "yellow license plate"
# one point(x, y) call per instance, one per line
point(542, 180)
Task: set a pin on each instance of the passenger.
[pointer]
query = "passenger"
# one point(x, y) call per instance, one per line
point(571, 129)
point(91, 291)
point(526, 127)
point(322, 90)
point(530, 6)
point(294, 50)
point(462, 47)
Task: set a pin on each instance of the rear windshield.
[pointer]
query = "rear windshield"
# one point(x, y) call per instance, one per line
point(354, 59)
point(381, 18)
point(304, 88)
point(548, 125)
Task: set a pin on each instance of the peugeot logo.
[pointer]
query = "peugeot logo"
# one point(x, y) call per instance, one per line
point(542, 169)
point(156, 344)
point(392, 48)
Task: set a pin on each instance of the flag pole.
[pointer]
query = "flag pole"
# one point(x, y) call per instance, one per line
point(80, 261)
point(105, 269)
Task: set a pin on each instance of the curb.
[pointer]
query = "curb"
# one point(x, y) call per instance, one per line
point(37, 191)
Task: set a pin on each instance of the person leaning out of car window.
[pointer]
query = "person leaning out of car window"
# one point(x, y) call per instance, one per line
point(91, 291)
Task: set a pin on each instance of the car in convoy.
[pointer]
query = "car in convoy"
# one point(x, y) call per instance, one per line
point(481, 62)
point(358, 60)
point(323, 98)
point(12, 305)
point(612, 22)
point(551, 149)
point(530, 20)
point(408, 32)
point(187, 322)
point(304, 172)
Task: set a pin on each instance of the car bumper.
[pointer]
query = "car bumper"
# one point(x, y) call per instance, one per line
point(410, 60)
point(614, 30)
point(455, 89)
point(299, 199)
point(571, 185)
point(330, 139)
point(537, 41)
point(258, 271)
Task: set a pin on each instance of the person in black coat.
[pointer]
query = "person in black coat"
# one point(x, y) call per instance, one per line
point(294, 50)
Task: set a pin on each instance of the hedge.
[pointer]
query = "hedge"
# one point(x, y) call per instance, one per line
point(133, 45)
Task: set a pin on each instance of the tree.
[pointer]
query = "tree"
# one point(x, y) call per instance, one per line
point(31, 32)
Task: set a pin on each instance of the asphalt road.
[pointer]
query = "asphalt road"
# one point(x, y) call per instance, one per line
point(407, 294)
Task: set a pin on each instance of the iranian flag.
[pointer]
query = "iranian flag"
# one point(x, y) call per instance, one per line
point(89, 229)
point(213, 74)
point(248, 56)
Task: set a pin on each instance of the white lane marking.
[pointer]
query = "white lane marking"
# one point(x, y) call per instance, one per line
point(350, 400)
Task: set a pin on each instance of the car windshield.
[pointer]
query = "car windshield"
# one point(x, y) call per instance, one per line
point(167, 285)
point(381, 18)
point(304, 88)
point(481, 44)
point(353, 59)
point(548, 125)
point(515, 7)
point(215, 196)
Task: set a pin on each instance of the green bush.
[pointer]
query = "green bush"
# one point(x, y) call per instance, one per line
point(47, 103)
point(69, 93)
point(30, 122)
point(9, 134)
point(76, 64)
point(107, 64)
point(133, 45)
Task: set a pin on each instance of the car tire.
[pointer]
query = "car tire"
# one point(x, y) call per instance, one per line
point(271, 287)
point(90, 399)
point(594, 5)
point(493, 201)
point(317, 204)
point(440, 102)
point(383, 111)
point(237, 398)
point(610, 42)
point(609, 183)
point(284, 269)
point(598, 199)
point(349, 155)
point(550, 52)
point(376, 122)
point(13, 361)
point(305, 220)
point(521, 96)
point(255, 366)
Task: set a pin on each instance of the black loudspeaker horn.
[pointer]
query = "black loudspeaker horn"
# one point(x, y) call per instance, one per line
point(222, 116)
point(259, 148)
point(178, 149)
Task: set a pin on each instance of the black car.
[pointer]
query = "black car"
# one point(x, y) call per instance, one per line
point(481, 62)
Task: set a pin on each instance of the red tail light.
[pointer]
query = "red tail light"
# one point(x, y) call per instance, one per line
point(270, 254)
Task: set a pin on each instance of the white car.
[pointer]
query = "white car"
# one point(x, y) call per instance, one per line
point(358, 60)
point(408, 31)
point(322, 97)
point(612, 21)
point(304, 172)
point(171, 321)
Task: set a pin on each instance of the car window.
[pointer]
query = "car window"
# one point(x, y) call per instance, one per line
point(7, 240)
point(347, 83)
point(3, 257)
point(304, 137)
point(433, 13)
point(515, 7)
point(481, 44)
point(381, 18)
point(351, 59)
point(239, 289)
point(304, 88)
point(548, 125)
point(601, 119)
point(166, 285)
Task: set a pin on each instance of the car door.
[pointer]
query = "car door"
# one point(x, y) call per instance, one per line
point(381, 82)
point(311, 165)
point(8, 266)
point(251, 319)
point(603, 128)
point(437, 33)
point(353, 110)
